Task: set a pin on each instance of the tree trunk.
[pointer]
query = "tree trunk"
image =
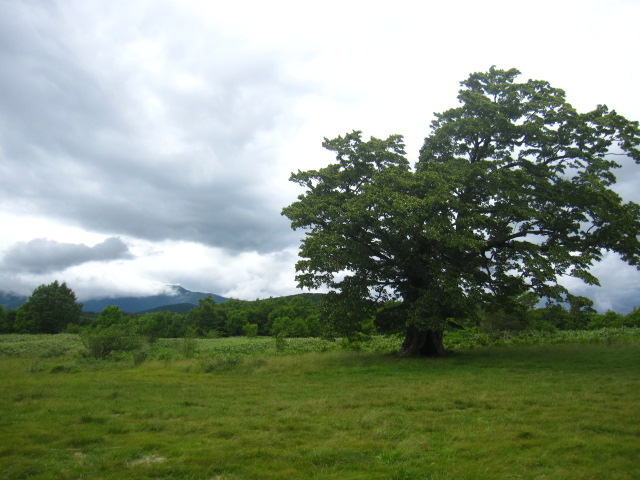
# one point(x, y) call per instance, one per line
point(425, 343)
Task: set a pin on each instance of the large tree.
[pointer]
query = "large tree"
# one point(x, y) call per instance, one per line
point(511, 191)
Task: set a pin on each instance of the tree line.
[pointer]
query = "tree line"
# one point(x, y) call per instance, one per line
point(54, 308)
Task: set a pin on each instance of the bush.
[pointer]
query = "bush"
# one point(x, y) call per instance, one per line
point(139, 357)
point(608, 319)
point(290, 327)
point(101, 343)
point(281, 342)
point(156, 325)
point(632, 319)
point(251, 330)
point(111, 315)
point(188, 345)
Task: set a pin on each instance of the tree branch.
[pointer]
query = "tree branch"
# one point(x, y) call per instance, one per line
point(503, 241)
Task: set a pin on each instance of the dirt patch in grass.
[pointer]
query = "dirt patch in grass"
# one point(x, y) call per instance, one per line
point(148, 460)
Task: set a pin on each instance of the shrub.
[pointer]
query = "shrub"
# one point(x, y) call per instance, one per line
point(156, 325)
point(251, 330)
point(111, 315)
point(281, 342)
point(188, 345)
point(103, 342)
point(139, 357)
point(608, 319)
point(290, 327)
point(221, 364)
point(632, 319)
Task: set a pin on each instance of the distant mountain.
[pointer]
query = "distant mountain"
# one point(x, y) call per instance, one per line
point(178, 296)
point(178, 300)
point(11, 300)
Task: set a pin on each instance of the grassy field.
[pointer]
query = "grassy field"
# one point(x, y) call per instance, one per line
point(251, 409)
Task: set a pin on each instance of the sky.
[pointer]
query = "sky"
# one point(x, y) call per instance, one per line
point(149, 143)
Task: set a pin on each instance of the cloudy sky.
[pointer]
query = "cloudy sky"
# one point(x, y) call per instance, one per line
point(147, 143)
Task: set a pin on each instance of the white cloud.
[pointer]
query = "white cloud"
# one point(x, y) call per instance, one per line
point(245, 275)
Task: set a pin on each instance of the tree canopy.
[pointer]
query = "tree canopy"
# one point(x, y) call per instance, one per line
point(511, 191)
point(49, 309)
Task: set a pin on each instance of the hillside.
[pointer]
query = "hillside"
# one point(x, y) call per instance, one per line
point(175, 308)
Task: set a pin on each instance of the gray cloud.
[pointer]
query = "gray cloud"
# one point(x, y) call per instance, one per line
point(173, 140)
point(619, 290)
point(45, 256)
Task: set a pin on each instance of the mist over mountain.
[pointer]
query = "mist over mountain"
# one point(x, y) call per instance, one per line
point(11, 300)
point(176, 296)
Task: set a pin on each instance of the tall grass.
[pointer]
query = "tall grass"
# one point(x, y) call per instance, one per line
point(477, 337)
point(239, 410)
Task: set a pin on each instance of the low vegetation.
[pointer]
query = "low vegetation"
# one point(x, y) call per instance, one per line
point(519, 405)
point(263, 389)
point(297, 316)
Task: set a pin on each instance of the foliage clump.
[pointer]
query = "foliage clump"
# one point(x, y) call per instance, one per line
point(48, 310)
point(102, 342)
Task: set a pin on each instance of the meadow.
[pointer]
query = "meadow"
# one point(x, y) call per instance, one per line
point(500, 407)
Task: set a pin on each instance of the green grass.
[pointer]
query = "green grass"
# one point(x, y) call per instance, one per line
point(239, 410)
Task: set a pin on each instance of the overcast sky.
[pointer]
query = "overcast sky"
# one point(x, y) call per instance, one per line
point(147, 143)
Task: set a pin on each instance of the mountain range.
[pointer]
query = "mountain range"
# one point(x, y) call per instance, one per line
point(176, 296)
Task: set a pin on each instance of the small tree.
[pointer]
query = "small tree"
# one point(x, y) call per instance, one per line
point(250, 330)
point(49, 309)
point(511, 191)
point(207, 316)
point(235, 323)
point(10, 320)
point(632, 319)
point(111, 315)
point(156, 325)
point(5, 327)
